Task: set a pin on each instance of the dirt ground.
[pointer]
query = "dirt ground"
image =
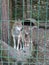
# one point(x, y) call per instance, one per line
point(42, 37)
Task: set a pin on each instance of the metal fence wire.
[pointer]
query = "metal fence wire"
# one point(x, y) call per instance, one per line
point(24, 32)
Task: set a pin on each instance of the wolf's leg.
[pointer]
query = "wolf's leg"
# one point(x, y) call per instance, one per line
point(21, 44)
point(14, 40)
point(18, 42)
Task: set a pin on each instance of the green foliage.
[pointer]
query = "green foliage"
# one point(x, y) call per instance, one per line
point(41, 12)
point(38, 9)
point(17, 9)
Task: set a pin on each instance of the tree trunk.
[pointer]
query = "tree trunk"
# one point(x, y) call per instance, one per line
point(5, 21)
point(5, 9)
point(28, 9)
point(10, 8)
point(24, 13)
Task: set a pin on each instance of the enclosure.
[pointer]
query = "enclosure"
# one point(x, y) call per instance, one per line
point(33, 38)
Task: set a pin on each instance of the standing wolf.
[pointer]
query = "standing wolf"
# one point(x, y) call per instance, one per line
point(17, 35)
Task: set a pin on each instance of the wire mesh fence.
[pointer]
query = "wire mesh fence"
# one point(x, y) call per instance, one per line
point(24, 32)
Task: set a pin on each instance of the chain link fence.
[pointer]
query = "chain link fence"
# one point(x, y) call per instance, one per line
point(34, 38)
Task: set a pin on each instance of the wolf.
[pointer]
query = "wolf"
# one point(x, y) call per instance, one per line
point(17, 35)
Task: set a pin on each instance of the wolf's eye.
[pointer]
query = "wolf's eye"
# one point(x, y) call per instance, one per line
point(21, 28)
